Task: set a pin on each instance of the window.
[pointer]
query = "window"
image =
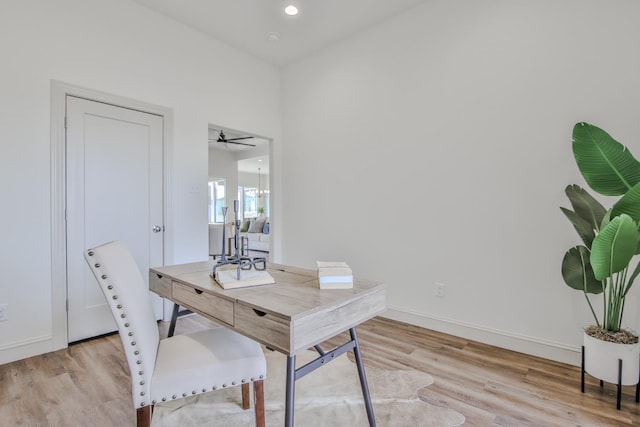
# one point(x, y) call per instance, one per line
point(249, 202)
point(216, 200)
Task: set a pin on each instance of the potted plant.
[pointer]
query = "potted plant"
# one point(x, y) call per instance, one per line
point(604, 263)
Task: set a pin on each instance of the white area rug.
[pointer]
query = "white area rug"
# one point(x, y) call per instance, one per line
point(330, 396)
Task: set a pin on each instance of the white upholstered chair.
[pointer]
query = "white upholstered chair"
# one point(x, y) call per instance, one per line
point(176, 367)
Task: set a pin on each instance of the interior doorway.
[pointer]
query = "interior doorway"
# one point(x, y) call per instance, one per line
point(59, 273)
point(114, 192)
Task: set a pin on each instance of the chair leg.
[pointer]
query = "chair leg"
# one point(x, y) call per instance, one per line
point(246, 400)
point(143, 416)
point(258, 397)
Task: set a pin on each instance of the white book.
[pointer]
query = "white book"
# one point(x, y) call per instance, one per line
point(332, 264)
point(335, 272)
point(335, 279)
point(334, 275)
point(228, 278)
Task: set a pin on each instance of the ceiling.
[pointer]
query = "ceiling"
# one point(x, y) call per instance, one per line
point(246, 24)
point(255, 165)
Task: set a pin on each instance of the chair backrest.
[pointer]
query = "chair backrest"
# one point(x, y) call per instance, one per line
point(128, 297)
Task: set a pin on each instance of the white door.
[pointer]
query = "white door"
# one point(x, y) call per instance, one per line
point(114, 192)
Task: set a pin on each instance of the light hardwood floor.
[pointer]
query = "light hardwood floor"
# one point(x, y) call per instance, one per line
point(88, 383)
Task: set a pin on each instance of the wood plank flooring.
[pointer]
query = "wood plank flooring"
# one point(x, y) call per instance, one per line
point(88, 383)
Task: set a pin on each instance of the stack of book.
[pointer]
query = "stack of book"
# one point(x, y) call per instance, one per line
point(228, 278)
point(334, 275)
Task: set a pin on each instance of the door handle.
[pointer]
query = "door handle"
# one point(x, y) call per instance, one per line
point(157, 229)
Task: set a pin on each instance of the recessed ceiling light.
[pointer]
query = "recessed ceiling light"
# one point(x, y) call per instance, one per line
point(291, 10)
point(273, 36)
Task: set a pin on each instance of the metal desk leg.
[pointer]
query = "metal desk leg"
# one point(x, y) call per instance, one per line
point(174, 318)
point(363, 378)
point(290, 391)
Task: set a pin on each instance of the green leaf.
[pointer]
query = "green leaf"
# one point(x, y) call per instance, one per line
point(585, 206)
point(582, 227)
point(629, 204)
point(614, 247)
point(608, 166)
point(632, 278)
point(587, 215)
point(577, 271)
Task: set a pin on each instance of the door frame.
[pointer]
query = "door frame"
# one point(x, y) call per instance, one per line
point(59, 92)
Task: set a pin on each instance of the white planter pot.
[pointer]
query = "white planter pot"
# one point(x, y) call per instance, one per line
point(601, 360)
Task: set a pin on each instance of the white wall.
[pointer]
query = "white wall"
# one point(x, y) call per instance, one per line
point(436, 147)
point(120, 48)
point(223, 164)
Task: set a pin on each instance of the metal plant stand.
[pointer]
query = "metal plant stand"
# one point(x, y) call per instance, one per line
point(619, 385)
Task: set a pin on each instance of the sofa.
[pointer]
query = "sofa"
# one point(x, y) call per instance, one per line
point(257, 236)
point(256, 231)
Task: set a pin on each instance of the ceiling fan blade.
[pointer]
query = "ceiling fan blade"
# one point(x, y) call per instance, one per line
point(241, 137)
point(230, 141)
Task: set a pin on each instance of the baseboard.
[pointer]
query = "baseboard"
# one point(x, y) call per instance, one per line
point(27, 348)
point(520, 343)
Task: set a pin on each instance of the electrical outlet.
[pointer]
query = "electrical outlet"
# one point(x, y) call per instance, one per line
point(439, 290)
point(3, 312)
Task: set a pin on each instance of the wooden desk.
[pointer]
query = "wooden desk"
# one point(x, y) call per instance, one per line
point(291, 316)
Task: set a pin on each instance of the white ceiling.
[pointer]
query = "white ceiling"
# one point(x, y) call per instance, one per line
point(252, 158)
point(245, 24)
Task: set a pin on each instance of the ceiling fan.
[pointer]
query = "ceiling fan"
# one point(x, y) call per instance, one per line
point(223, 139)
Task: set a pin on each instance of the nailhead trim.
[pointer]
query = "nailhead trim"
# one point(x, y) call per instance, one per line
point(127, 325)
point(139, 362)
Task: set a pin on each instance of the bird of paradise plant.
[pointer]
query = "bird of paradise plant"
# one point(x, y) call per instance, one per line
point(610, 237)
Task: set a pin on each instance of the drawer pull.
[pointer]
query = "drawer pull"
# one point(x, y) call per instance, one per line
point(198, 291)
point(259, 313)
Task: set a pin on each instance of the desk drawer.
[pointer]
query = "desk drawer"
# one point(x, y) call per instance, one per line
point(267, 328)
point(205, 303)
point(160, 284)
